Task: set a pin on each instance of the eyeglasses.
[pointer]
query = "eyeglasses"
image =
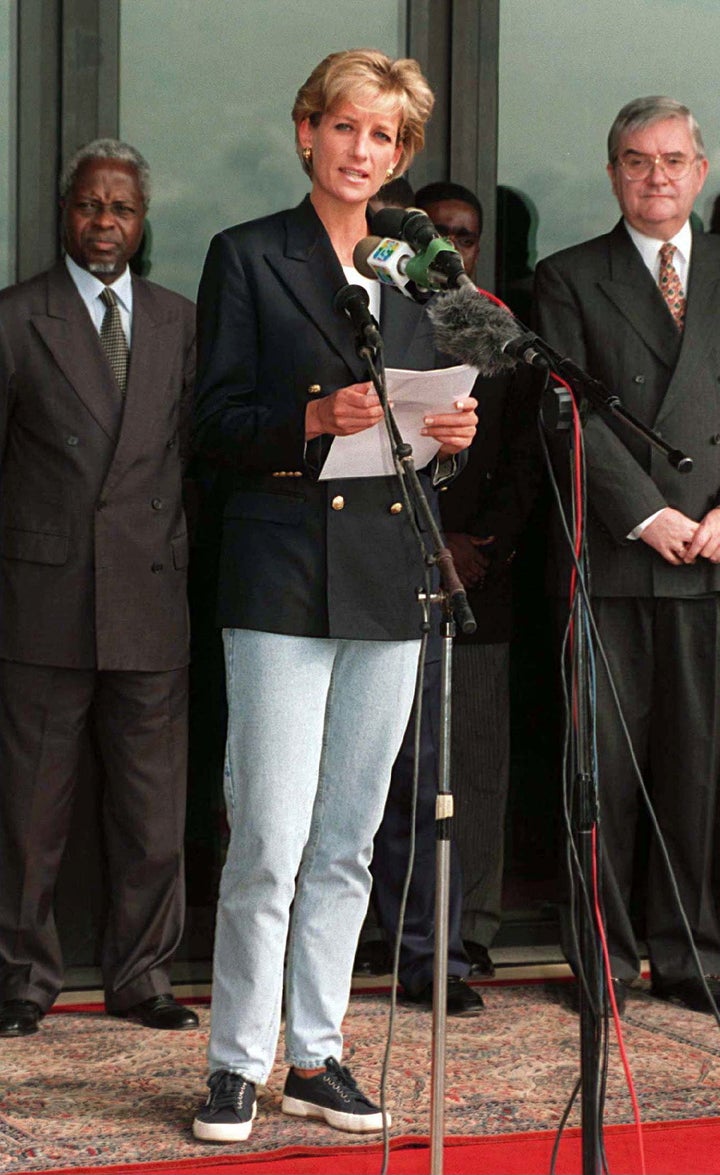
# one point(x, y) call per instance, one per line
point(674, 166)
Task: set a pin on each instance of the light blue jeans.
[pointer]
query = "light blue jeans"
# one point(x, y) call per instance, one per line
point(314, 726)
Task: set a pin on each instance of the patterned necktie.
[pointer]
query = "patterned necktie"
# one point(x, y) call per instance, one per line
point(112, 337)
point(669, 284)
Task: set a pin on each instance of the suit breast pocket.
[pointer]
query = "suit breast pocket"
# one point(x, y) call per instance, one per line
point(34, 546)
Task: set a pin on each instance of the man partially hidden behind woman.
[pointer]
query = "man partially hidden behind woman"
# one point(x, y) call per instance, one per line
point(316, 595)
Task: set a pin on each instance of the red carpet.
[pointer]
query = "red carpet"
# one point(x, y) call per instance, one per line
point(94, 1094)
point(671, 1148)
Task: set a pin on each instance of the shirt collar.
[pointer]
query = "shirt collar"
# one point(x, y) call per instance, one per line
point(90, 287)
point(649, 247)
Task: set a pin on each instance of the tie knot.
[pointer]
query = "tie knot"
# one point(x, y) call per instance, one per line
point(667, 252)
point(108, 296)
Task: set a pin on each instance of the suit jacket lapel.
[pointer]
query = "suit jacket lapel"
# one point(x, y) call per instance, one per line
point(153, 340)
point(631, 289)
point(315, 286)
point(75, 346)
point(701, 317)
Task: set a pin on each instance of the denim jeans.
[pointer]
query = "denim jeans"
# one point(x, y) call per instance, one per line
point(314, 726)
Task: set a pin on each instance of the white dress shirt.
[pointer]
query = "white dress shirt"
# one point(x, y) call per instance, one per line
point(649, 250)
point(90, 289)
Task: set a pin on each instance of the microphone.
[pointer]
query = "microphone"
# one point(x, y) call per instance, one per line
point(476, 331)
point(354, 302)
point(438, 265)
point(406, 224)
point(394, 262)
point(387, 260)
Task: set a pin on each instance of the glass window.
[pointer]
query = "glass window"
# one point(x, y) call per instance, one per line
point(206, 89)
point(566, 69)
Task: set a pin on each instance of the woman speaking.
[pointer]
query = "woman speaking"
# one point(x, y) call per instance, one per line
point(316, 595)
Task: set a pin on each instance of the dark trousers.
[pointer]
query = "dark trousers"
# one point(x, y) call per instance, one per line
point(664, 657)
point(140, 724)
point(480, 780)
point(392, 848)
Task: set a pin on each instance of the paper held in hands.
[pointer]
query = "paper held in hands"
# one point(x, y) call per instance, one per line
point(415, 395)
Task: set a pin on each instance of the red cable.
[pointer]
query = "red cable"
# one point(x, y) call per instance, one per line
point(616, 1018)
point(578, 541)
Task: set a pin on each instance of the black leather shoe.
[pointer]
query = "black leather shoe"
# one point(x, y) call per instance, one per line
point(161, 1011)
point(462, 1000)
point(688, 992)
point(479, 956)
point(19, 1017)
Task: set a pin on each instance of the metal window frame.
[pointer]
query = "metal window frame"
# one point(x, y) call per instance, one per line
point(457, 45)
point(68, 93)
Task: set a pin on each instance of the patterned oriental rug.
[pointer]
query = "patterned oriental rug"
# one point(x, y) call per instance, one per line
point(94, 1093)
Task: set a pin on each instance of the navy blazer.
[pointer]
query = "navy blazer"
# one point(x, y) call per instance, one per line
point(298, 555)
point(597, 302)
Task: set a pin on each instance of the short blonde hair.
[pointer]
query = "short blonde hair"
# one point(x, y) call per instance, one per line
point(373, 81)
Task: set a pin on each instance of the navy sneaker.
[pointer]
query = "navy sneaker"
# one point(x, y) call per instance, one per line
point(333, 1095)
point(228, 1114)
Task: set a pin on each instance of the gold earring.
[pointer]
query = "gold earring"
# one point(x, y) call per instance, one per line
point(389, 174)
point(307, 155)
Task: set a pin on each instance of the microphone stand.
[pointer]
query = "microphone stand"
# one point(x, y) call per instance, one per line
point(607, 403)
point(455, 607)
point(580, 763)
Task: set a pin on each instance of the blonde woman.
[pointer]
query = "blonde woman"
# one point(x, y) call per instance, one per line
point(316, 595)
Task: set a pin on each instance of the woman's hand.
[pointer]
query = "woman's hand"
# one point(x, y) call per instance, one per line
point(344, 412)
point(454, 430)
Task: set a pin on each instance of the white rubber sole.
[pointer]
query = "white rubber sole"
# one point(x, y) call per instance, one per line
point(353, 1123)
point(223, 1131)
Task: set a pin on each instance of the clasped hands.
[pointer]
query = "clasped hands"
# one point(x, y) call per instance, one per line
point(357, 407)
point(680, 539)
point(471, 561)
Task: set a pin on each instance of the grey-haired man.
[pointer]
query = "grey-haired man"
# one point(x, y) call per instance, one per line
point(93, 615)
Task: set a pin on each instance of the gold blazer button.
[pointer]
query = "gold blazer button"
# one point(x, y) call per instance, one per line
point(314, 390)
point(338, 503)
point(396, 508)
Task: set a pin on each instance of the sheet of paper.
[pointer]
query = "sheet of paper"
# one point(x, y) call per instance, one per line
point(415, 394)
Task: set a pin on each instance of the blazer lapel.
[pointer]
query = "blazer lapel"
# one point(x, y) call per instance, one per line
point(315, 285)
point(75, 346)
point(631, 289)
point(153, 341)
point(701, 316)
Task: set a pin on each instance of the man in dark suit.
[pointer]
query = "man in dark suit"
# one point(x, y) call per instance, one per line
point(93, 614)
point(483, 512)
point(639, 308)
